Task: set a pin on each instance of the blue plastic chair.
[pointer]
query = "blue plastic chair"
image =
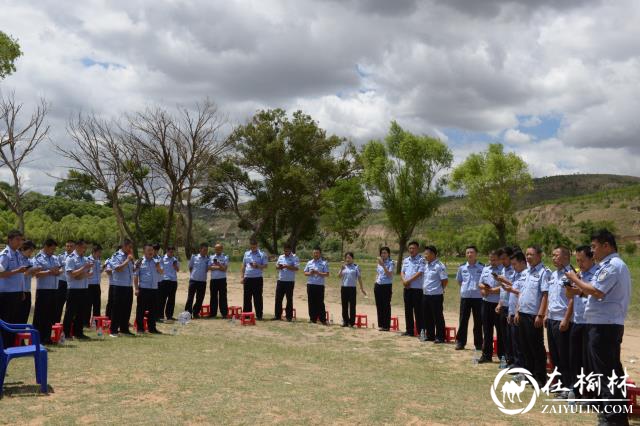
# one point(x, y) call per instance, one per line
point(36, 350)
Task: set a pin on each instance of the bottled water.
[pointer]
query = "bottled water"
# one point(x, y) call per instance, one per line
point(62, 338)
point(476, 356)
point(100, 334)
point(503, 362)
point(571, 396)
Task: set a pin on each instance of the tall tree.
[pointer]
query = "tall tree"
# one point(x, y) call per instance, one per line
point(405, 172)
point(344, 207)
point(493, 182)
point(280, 165)
point(19, 137)
point(9, 52)
point(76, 186)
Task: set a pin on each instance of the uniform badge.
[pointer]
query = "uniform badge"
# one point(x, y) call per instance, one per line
point(602, 275)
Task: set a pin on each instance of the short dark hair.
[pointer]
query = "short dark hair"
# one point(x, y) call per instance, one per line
point(519, 256)
point(564, 250)
point(498, 252)
point(147, 245)
point(50, 242)
point(171, 248)
point(537, 248)
point(126, 242)
point(14, 233)
point(508, 250)
point(28, 245)
point(97, 247)
point(80, 243)
point(317, 248)
point(472, 247)
point(202, 245)
point(385, 248)
point(349, 253)
point(605, 236)
point(70, 241)
point(413, 243)
point(253, 241)
point(156, 246)
point(586, 250)
point(432, 249)
point(287, 247)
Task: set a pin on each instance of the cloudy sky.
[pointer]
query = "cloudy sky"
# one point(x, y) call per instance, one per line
point(556, 81)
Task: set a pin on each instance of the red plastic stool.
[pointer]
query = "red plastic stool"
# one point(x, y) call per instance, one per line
point(495, 345)
point(145, 324)
point(362, 321)
point(21, 337)
point(247, 318)
point(632, 394)
point(106, 327)
point(205, 311)
point(549, 363)
point(100, 321)
point(57, 332)
point(415, 329)
point(234, 312)
point(395, 326)
point(450, 334)
point(284, 312)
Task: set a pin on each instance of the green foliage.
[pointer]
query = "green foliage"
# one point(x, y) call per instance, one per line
point(588, 227)
point(548, 237)
point(77, 186)
point(404, 172)
point(9, 52)
point(630, 248)
point(344, 207)
point(493, 181)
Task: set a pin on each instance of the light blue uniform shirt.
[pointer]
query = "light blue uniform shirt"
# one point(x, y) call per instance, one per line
point(381, 277)
point(535, 283)
point(508, 272)
point(123, 278)
point(223, 260)
point(579, 303)
point(257, 257)
point(74, 262)
point(108, 268)
point(169, 272)
point(198, 265)
point(49, 282)
point(147, 275)
point(287, 274)
point(319, 265)
point(158, 259)
point(434, 273)
point(350, 274)
point(411, 266)
point(558, 302)
point(488, 279)
point(614, 280)
point(11, 260)
point(469, 277)
point(28, 277)
point(62, 260)
point(518, 282)
point(94, 279)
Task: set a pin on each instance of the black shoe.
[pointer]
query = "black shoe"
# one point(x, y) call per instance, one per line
point(324, 323)
point(459, 348)
point(406, 333)
point(438, 341)
point(383, 329)
point(82, 337)
point(479, 349)
point(127, 333)
point(344, 324)
point(484, 360)
point(313, 322)
point(289, 319)
point(276, 319)
point(171, 319)
point(430, 340)
point(196, 316)
point(155, 332)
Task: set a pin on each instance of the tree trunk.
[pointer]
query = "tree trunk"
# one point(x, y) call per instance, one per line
point(188, 238)
point(341, 245)
point(168, 223)
point(274, 235)
point(402, 246)
point(501, 230)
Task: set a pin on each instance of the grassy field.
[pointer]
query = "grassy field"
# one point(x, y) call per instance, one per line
point(218, 372)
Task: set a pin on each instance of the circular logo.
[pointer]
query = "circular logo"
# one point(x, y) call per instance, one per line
point(511, 391)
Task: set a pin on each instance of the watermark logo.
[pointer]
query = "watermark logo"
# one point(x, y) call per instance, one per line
point(512, 390)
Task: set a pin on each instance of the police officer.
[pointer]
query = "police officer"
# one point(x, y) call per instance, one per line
point(12, 271)
point(61, 296)
point(108, 269)
point(512, 287)
point(531, 312)
point(122, 268)
point(78, 270)
point(158, 259)
point(382, 289)
point(287, 265)
point(316, 270)
point(253, 262)
point(608, 298)
point(218, 265)
point(145, 283)
point(468, 277)
point(169, 284)
point(434, 282)
point(503, 305)
point(559, 316)
point(94, 293)
point(578, 338)
point(411, 275)
point(26, 251)
point(350, 274)
point(46, 289)
point(490, 291)
point(198, 267)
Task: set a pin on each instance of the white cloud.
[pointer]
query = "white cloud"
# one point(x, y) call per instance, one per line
point(516, 137)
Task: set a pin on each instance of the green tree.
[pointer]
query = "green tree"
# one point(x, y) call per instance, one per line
point(9, 52)
point(493, 182)
point(588, 227)
point(548, 237)
point(344, 207)
point(76, 186)
point(405, 172)
point(281, 165)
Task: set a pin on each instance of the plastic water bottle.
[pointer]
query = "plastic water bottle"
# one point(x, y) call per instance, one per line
point(476, 356)
point(174, 331)
point(100, 334)
point(503, 362)
point(62, 338)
